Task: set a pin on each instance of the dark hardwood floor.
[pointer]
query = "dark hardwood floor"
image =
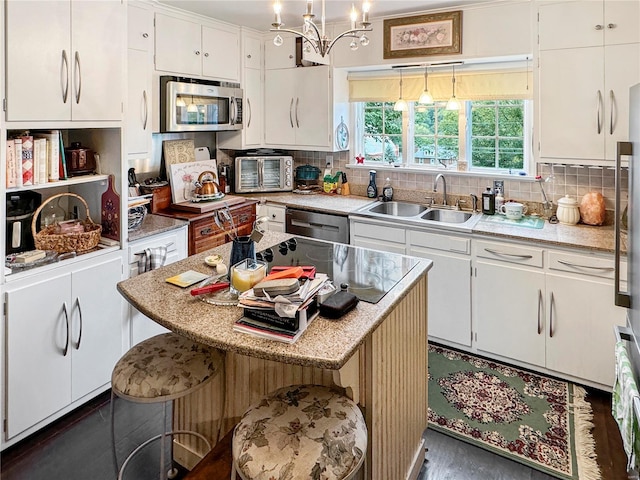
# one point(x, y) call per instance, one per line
point(78, 447)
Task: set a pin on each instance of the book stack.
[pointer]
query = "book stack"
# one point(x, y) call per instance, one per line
point(35, 159)
point(283, 318)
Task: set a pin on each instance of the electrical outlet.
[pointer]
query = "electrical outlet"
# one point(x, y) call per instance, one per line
point(498, 184)
point(329, 162)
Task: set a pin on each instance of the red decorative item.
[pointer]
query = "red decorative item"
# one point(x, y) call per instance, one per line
point(359, 159)
point(111, 212)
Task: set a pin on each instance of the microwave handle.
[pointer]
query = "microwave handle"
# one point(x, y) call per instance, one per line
point(234, 111)
point(260, 172)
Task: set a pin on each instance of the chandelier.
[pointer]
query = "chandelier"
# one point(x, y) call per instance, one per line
point(316, 38)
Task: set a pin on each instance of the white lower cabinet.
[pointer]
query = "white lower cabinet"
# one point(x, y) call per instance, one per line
point(449, 284)
point(142, 327)
point(377, 237)
point(276, 215)
point(63, 337)
point(547, 308)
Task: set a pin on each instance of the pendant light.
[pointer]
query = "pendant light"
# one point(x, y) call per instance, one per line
point(425, 97)
point(192, 106)
point(453, 103)
point(401, 104)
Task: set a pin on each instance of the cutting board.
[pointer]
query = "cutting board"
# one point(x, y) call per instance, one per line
point(110, 214)
point(203, 207)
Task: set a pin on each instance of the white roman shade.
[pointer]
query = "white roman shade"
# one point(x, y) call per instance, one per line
point(473, 85)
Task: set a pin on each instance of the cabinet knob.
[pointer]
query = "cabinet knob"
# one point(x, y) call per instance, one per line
point(611, 25)
point(206, 54)
point(290, 56)
point(273, 215)
point(197, 52)
point(598, 27)
point(249, 56)
point(145, 35)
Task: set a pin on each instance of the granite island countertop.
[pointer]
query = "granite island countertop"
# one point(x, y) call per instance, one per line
point(325, 344)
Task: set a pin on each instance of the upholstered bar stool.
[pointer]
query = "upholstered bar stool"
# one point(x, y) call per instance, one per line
point(301, 432)
point(161, 369)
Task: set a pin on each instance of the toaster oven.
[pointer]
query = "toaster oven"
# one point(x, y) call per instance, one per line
point(264, 174)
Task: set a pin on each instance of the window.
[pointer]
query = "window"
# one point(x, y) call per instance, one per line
point(382, 138)
point(489, 134)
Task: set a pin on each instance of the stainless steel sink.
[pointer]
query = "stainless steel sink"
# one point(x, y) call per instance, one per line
point(420, 215)
point(398, 209)
point(448, 216)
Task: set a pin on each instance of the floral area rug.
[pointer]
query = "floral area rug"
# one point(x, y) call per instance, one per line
point(539, 421)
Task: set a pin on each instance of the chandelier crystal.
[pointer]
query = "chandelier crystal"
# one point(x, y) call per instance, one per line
point(315, 38)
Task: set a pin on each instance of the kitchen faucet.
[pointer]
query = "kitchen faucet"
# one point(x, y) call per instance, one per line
point(546, 205)
point(444, 187)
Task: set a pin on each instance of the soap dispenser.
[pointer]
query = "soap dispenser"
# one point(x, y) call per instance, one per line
point(499, 199)
point(488, 202)
point(387, 191)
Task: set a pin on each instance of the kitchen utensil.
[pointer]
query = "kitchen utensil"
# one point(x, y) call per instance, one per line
point(307, 172)
point(110, 214)
point(242, 248)
point(214, 287)
point(345, 185)
point(207, 186)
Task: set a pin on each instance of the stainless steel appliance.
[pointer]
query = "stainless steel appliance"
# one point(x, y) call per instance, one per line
point(368, 273)
point(263, 174)
point(20, 209)
point(323, 226)
point(188, 105)
point(629, 217)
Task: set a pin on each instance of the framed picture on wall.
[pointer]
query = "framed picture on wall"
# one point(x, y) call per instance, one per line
point(423, 35)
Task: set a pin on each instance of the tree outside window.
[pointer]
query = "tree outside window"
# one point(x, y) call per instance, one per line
point(382, 133)
point(435, 134)
point(497, 134)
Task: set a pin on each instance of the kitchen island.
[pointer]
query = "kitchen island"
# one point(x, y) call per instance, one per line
point(377, 353)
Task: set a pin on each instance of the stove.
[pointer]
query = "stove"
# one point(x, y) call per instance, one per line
point(368, 274)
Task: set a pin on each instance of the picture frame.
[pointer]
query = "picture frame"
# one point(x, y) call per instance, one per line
point(423, 35)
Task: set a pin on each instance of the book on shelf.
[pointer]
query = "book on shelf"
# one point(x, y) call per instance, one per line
point(63, 161)
point(27, 160)
point(40, 158)
point(18, 151)
point(52, 138)
point(12, 165)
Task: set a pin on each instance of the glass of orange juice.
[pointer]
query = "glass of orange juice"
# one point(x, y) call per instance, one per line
point(245, 274)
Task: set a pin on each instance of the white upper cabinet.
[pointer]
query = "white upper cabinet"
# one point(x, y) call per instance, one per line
point(587, 62)
point(573, 24)
point(140, 28)
point(186, 47)
point(283, 56)
point(68, 63)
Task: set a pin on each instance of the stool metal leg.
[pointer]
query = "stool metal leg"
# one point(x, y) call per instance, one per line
point(163, 472)
point(113, 433)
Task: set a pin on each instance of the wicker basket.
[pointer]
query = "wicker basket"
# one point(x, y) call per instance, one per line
point(49, 239)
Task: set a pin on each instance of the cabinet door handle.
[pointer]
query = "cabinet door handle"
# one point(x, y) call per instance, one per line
point(291, 112)
point(249, 112)
point(612, 101)
point(65, 350)
point(599, 27)
point(206, 54)
point(197, 52)
point(599, 112)
point(80, 314)
point(297, 104)
point(146, 109)
point(234, 110)
point(78, 77)
point(64, 76)
point(611, 26)
point(577, 265)
point(539, 311)
point(145, 35)
point(503, 254)
point(206, 231)
point(551, 305)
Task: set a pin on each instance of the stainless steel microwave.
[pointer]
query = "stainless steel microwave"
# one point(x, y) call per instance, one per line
point(192, 105)
point(264, 174)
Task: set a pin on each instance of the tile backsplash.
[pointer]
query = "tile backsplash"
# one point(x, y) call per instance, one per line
point(562, 180)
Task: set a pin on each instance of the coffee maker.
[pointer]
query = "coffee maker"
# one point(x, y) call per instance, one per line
point(20, 209)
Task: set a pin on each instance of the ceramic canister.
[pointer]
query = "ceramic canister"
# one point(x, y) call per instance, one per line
point(568, 211)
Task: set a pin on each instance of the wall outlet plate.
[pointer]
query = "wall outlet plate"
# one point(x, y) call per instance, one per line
point(498, 184)
point(329, 161)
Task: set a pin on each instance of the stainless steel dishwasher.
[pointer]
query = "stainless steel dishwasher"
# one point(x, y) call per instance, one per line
point(323, 226)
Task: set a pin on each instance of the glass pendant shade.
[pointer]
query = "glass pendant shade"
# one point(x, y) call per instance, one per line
point(453, 103)
point(425, 96)
point(192, 107)
point(401, 105)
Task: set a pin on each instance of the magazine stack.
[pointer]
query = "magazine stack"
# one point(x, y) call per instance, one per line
point(281, 309)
